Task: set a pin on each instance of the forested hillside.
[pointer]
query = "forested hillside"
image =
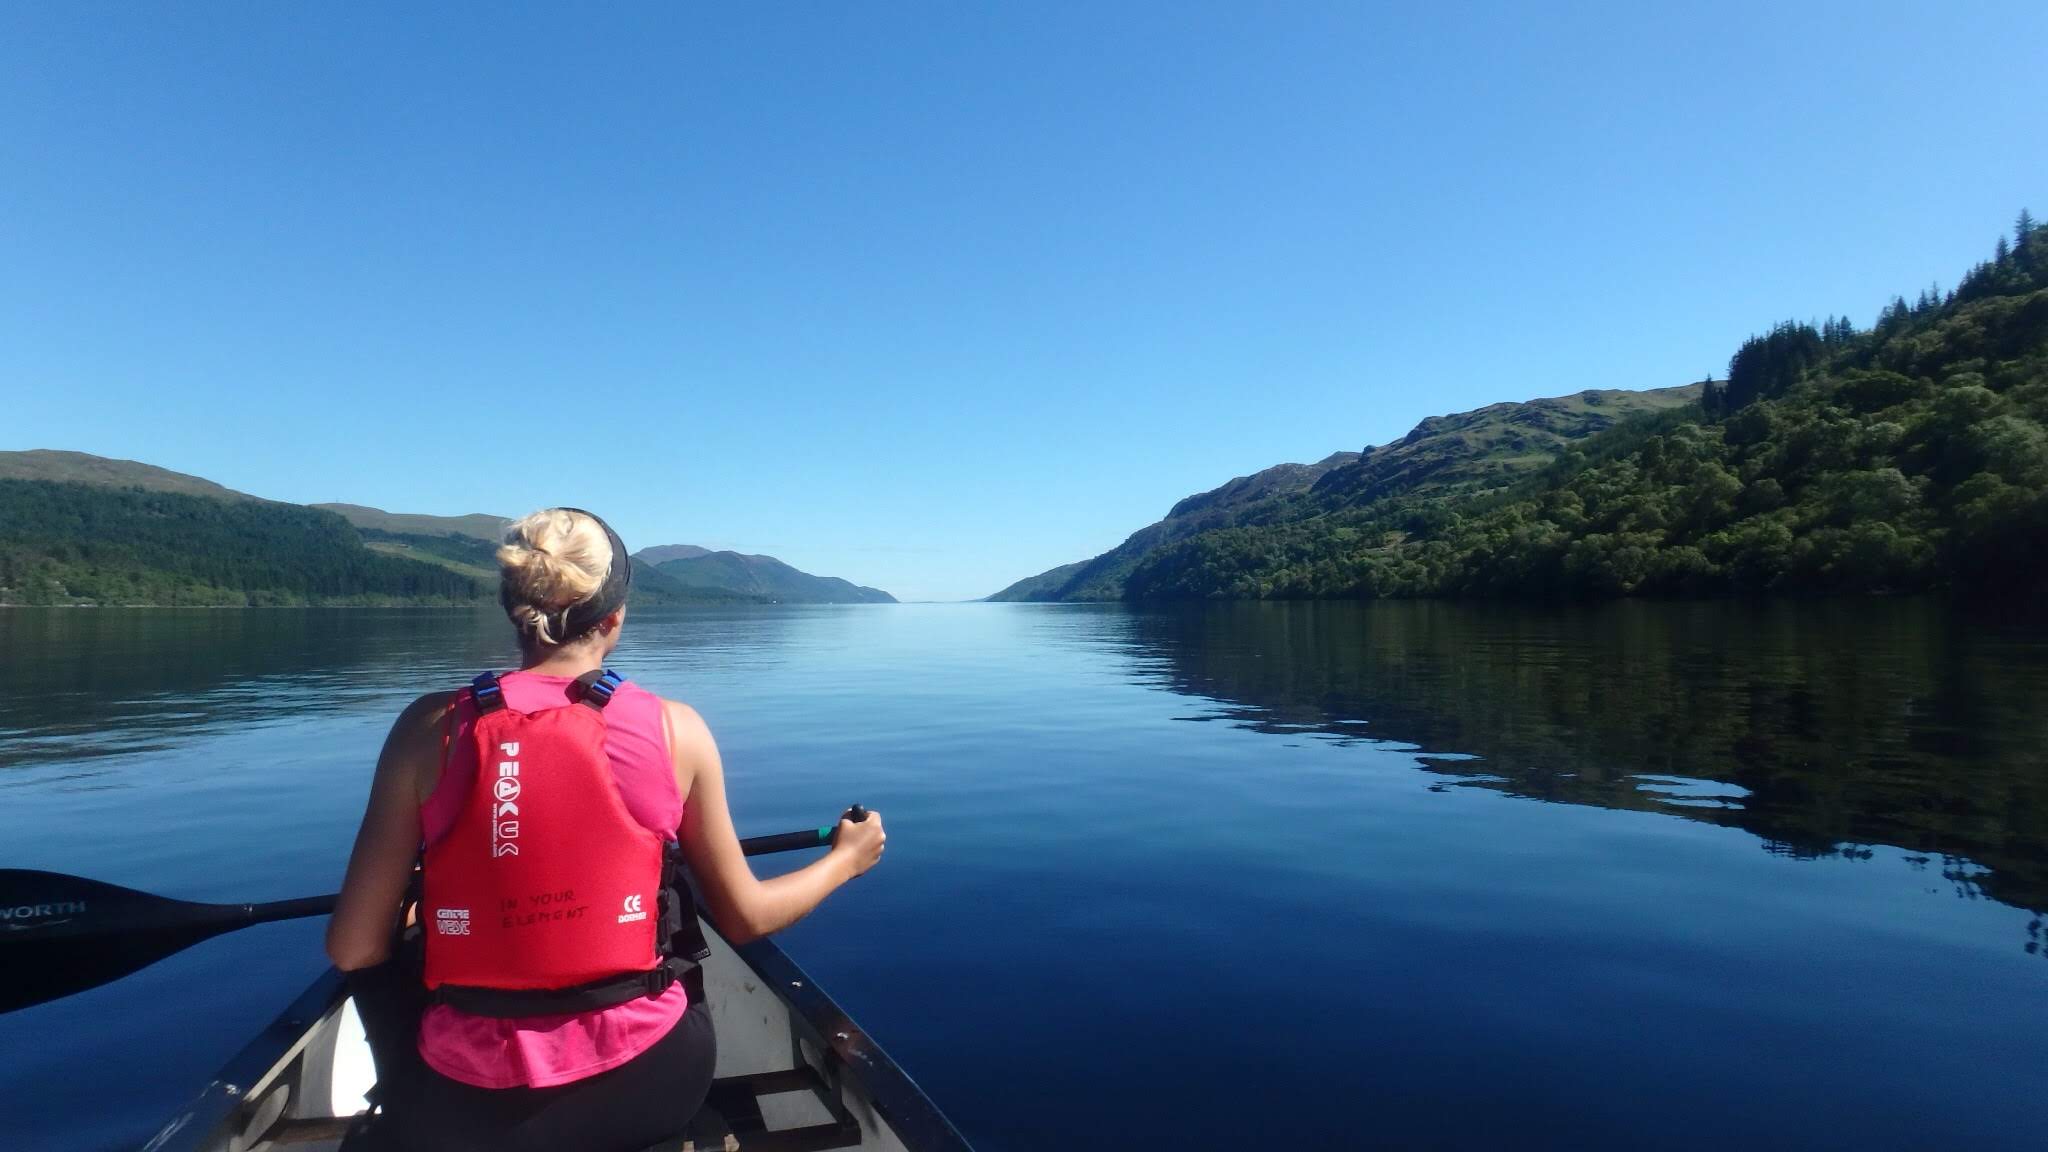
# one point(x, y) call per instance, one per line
point(71, 543)
point(1467, 452)
point(82, 529)
point(1907, 457)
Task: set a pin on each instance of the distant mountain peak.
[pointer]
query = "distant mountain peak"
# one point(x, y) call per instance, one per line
point(753, 577)
point(663, 553)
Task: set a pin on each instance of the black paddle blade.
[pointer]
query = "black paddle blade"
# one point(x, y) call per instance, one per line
point(45, 969)
point(52, 906)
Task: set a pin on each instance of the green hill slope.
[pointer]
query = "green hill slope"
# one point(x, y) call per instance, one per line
point(464, 544)
point(755, 577)
point(663, 553)
point(1907, 457)
point(73, 543)
point(1047, 585)
point(475, 526)
point(1487, 448)
point(84, 468)
point(82, 529)
point(653, 586)
point(1478, 451)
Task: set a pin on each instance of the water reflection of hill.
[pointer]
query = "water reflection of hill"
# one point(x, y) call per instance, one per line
point(78, 684)
point(1836, 724)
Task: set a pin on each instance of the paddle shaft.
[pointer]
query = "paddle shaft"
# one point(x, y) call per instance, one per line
point(224, 917)
point(797, 841)
point(240, 914)
point(59, 915)
point(64, 934)
point(287, 909)
point(322, 905)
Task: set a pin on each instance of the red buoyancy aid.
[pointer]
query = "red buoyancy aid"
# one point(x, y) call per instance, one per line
point(545, 894)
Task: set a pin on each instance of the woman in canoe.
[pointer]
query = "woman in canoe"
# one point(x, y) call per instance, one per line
point(551, 999)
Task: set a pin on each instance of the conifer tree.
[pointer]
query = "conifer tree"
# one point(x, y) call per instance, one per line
point(1767, 365)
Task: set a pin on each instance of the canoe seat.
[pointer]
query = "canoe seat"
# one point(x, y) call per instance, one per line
point(754, 1113)
point(733, 1119)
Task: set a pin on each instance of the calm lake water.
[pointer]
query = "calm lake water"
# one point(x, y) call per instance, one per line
point(1293, 876)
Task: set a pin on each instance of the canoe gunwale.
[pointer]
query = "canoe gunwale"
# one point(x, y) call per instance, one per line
point(269, 1052)
point(911, 1115)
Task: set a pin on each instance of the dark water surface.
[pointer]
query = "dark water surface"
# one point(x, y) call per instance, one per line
point(1677, 876)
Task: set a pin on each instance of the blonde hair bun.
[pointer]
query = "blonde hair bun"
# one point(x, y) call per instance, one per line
point(551, 561)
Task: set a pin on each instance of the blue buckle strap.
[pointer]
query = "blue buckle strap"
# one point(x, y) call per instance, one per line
point(598, 687)
point(488, 694)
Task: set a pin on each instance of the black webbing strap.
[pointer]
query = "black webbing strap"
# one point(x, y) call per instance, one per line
point(505, 1002)
point(682, 936)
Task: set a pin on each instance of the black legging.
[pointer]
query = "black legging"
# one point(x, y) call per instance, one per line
point(648, 1099)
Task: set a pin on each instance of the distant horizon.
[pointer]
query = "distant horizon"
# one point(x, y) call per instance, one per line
point(741, 550)
point(930, 299)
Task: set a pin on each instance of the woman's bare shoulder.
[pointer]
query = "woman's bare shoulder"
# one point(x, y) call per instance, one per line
point(422, 719)
point(683, 720)
point(432, 706)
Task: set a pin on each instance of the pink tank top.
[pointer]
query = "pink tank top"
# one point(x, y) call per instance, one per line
point(541, 1051)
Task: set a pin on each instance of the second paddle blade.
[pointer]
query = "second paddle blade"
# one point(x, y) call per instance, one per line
point(42, 970)
point(52, 905)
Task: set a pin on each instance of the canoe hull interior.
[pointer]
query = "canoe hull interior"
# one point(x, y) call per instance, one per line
point(794, 1074)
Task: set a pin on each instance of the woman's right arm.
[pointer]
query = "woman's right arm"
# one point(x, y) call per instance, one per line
point(388, 842)
point(743, 907)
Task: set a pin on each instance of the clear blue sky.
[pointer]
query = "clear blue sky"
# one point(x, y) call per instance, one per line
point(929, 297)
